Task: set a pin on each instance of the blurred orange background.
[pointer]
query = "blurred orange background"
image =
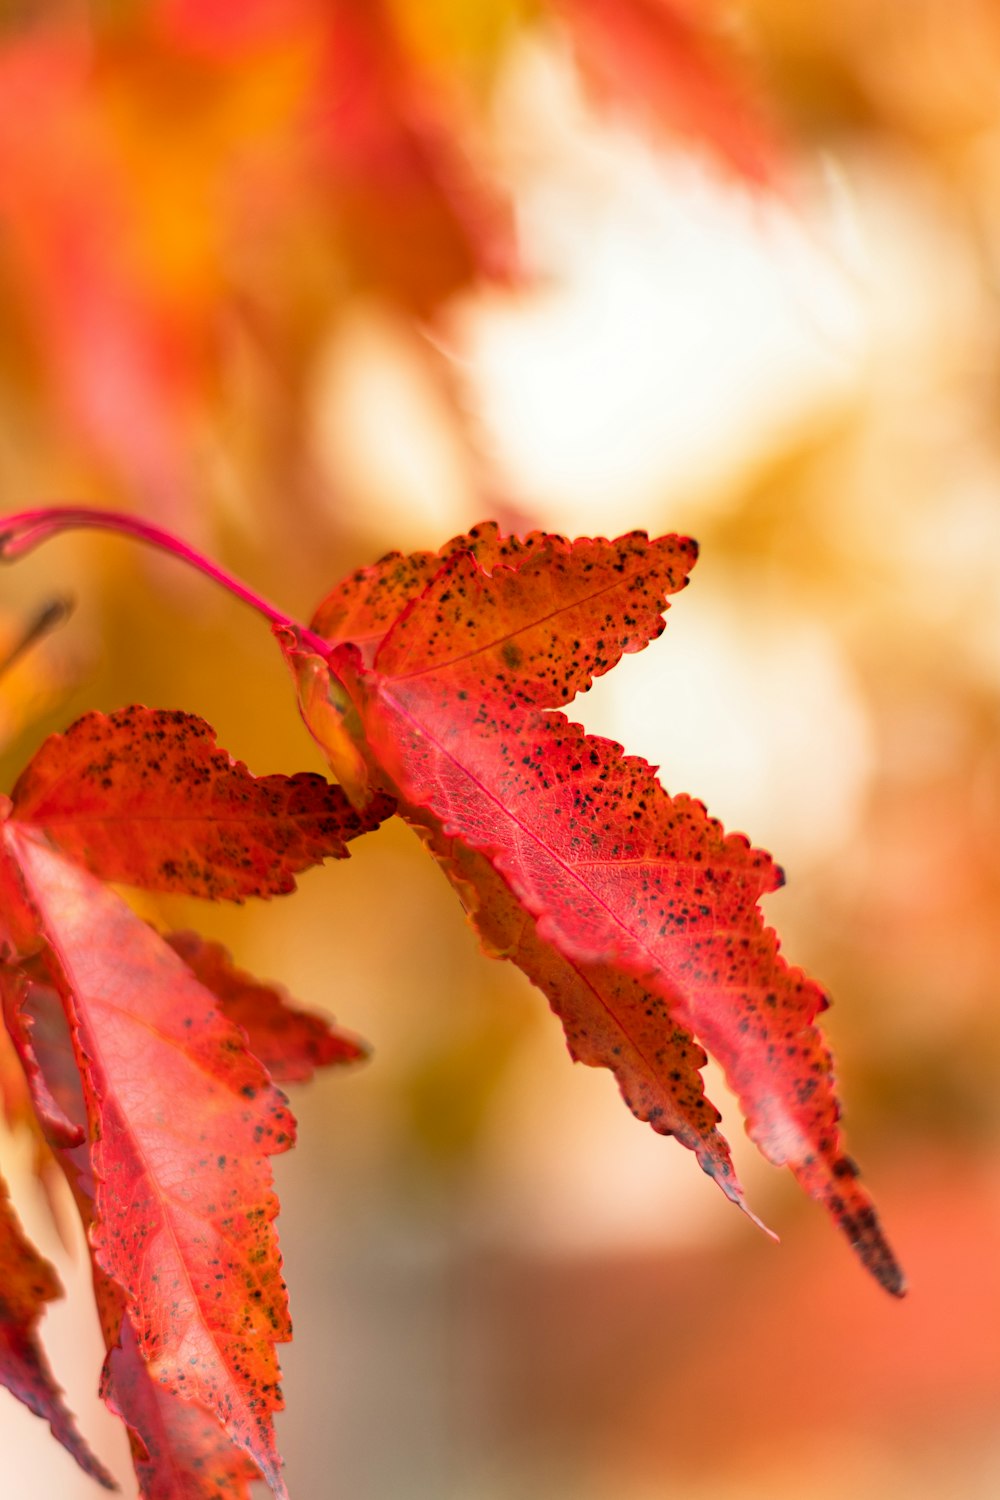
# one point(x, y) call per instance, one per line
point(308, 281)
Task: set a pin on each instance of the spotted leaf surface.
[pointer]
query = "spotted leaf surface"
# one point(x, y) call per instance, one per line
point(145, 796)
point(180, 1451)
point(290, 1042)
point(611, 1019)
point(540, 631)
point(184, 1205)
point(363, 608)
point(453, 718)
point(27, 1282)
point(364, 605)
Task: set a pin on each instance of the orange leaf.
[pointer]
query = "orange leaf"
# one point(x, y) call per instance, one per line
point(364, 605)
point(121, 359)
point(543, 630)
point(416, 219)
point(14, 1092)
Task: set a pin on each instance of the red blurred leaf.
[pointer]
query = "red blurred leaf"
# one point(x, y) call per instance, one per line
point(119, 357)
point(450, 717)
point(667, 64)
point(320, 150)
point(416, 219)
point(291, 1043)
point(146, 797)
point(143, 241)
point(232, 31)
point(183, 1203)
point(27, 1282)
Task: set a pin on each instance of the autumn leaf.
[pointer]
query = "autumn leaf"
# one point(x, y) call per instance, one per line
point(27, 1282)
point(179, 1450)
point(28, 1101)
point(183, 1197)
point(16, 983)
point(450, 711)
point(362, 608)
point(290, 1042)
point(123, 217)
point(144, 796)
point(436, 692)
point(323, 152)
point(178, 1204)
point(611, 1019)
point(119, 359)
point(180, 1208)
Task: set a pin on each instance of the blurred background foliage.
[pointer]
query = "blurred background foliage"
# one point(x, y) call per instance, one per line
point(309, 279)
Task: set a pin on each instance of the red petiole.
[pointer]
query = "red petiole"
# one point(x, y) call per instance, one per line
point(22, 532)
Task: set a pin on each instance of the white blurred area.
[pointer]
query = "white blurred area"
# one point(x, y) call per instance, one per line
point(682, 329)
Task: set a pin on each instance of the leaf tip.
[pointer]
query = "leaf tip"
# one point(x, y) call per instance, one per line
point(877, 1257)
point(734, 1192)
point(855, 1215)
point(772, 1234)
point(354, 1049)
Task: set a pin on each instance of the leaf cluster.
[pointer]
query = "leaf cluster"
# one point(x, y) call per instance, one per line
point(148, 1064)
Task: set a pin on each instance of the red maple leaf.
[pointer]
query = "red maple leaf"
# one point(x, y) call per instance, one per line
point(180, 1451)
point(177, 1201)
point(632, 909)
point(145, 796)
point(183, 1201)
